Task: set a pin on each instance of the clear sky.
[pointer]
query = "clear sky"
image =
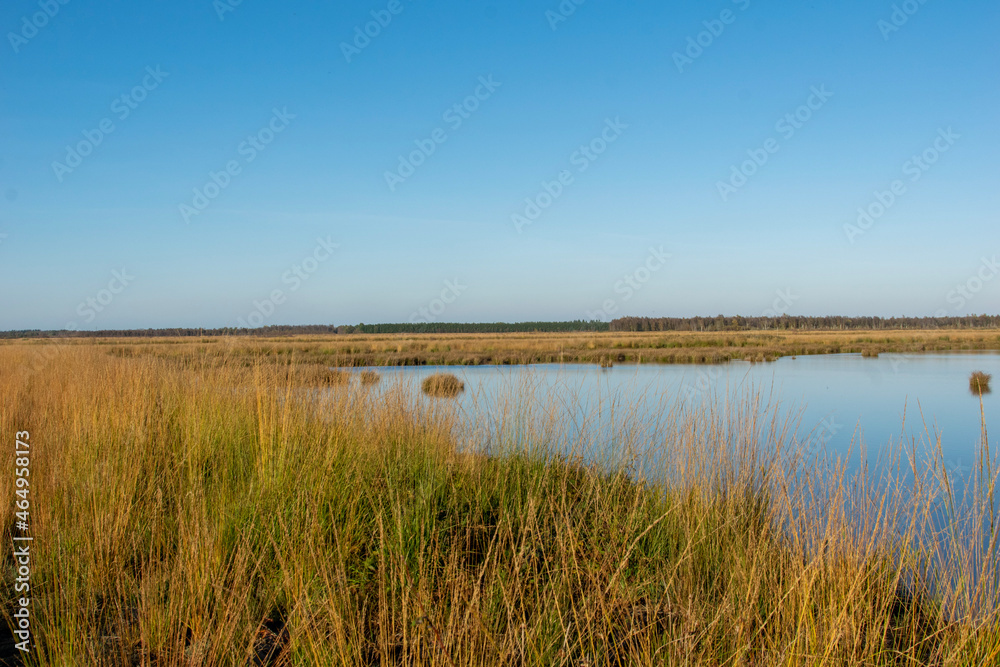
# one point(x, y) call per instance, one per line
point(191, 163)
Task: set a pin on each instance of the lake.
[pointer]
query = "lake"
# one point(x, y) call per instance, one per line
point(842, 399)
point(843, 410)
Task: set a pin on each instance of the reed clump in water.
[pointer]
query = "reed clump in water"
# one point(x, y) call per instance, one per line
point(369, 378)
point(442, 385)
point(979, 382)
point(201, 516)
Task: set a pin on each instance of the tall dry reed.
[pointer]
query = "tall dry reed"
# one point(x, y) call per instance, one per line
point(226, 513)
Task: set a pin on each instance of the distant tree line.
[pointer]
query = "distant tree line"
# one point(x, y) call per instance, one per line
point(314, 329)
point(801, 322)
point(481, 327)
point(276, 330)
point(718, 323)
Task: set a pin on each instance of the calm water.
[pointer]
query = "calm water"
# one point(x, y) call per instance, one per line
point(842, 399)
point(842, 406)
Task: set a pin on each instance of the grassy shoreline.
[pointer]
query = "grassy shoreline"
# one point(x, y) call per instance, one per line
point(517, 348)
point(180, 522)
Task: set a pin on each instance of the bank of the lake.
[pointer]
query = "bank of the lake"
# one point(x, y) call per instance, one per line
point(607, 348)
point(219, 513)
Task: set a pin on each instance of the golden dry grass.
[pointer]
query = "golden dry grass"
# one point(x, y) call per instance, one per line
point(369, 377)
point(979, 382)
point(442, 385)
point(206, 512)
point(518, 348)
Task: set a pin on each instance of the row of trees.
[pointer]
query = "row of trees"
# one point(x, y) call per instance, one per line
point(291, 330)
point(276, 330)
point(801, 322)
point(718, 323)
point(482, 327)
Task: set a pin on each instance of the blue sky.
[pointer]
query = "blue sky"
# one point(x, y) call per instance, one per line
point(619, 100)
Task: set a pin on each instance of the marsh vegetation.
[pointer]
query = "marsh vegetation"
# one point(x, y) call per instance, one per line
point(368, 350)
point(442, 385)
point(979, 382)
point(187, 523)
